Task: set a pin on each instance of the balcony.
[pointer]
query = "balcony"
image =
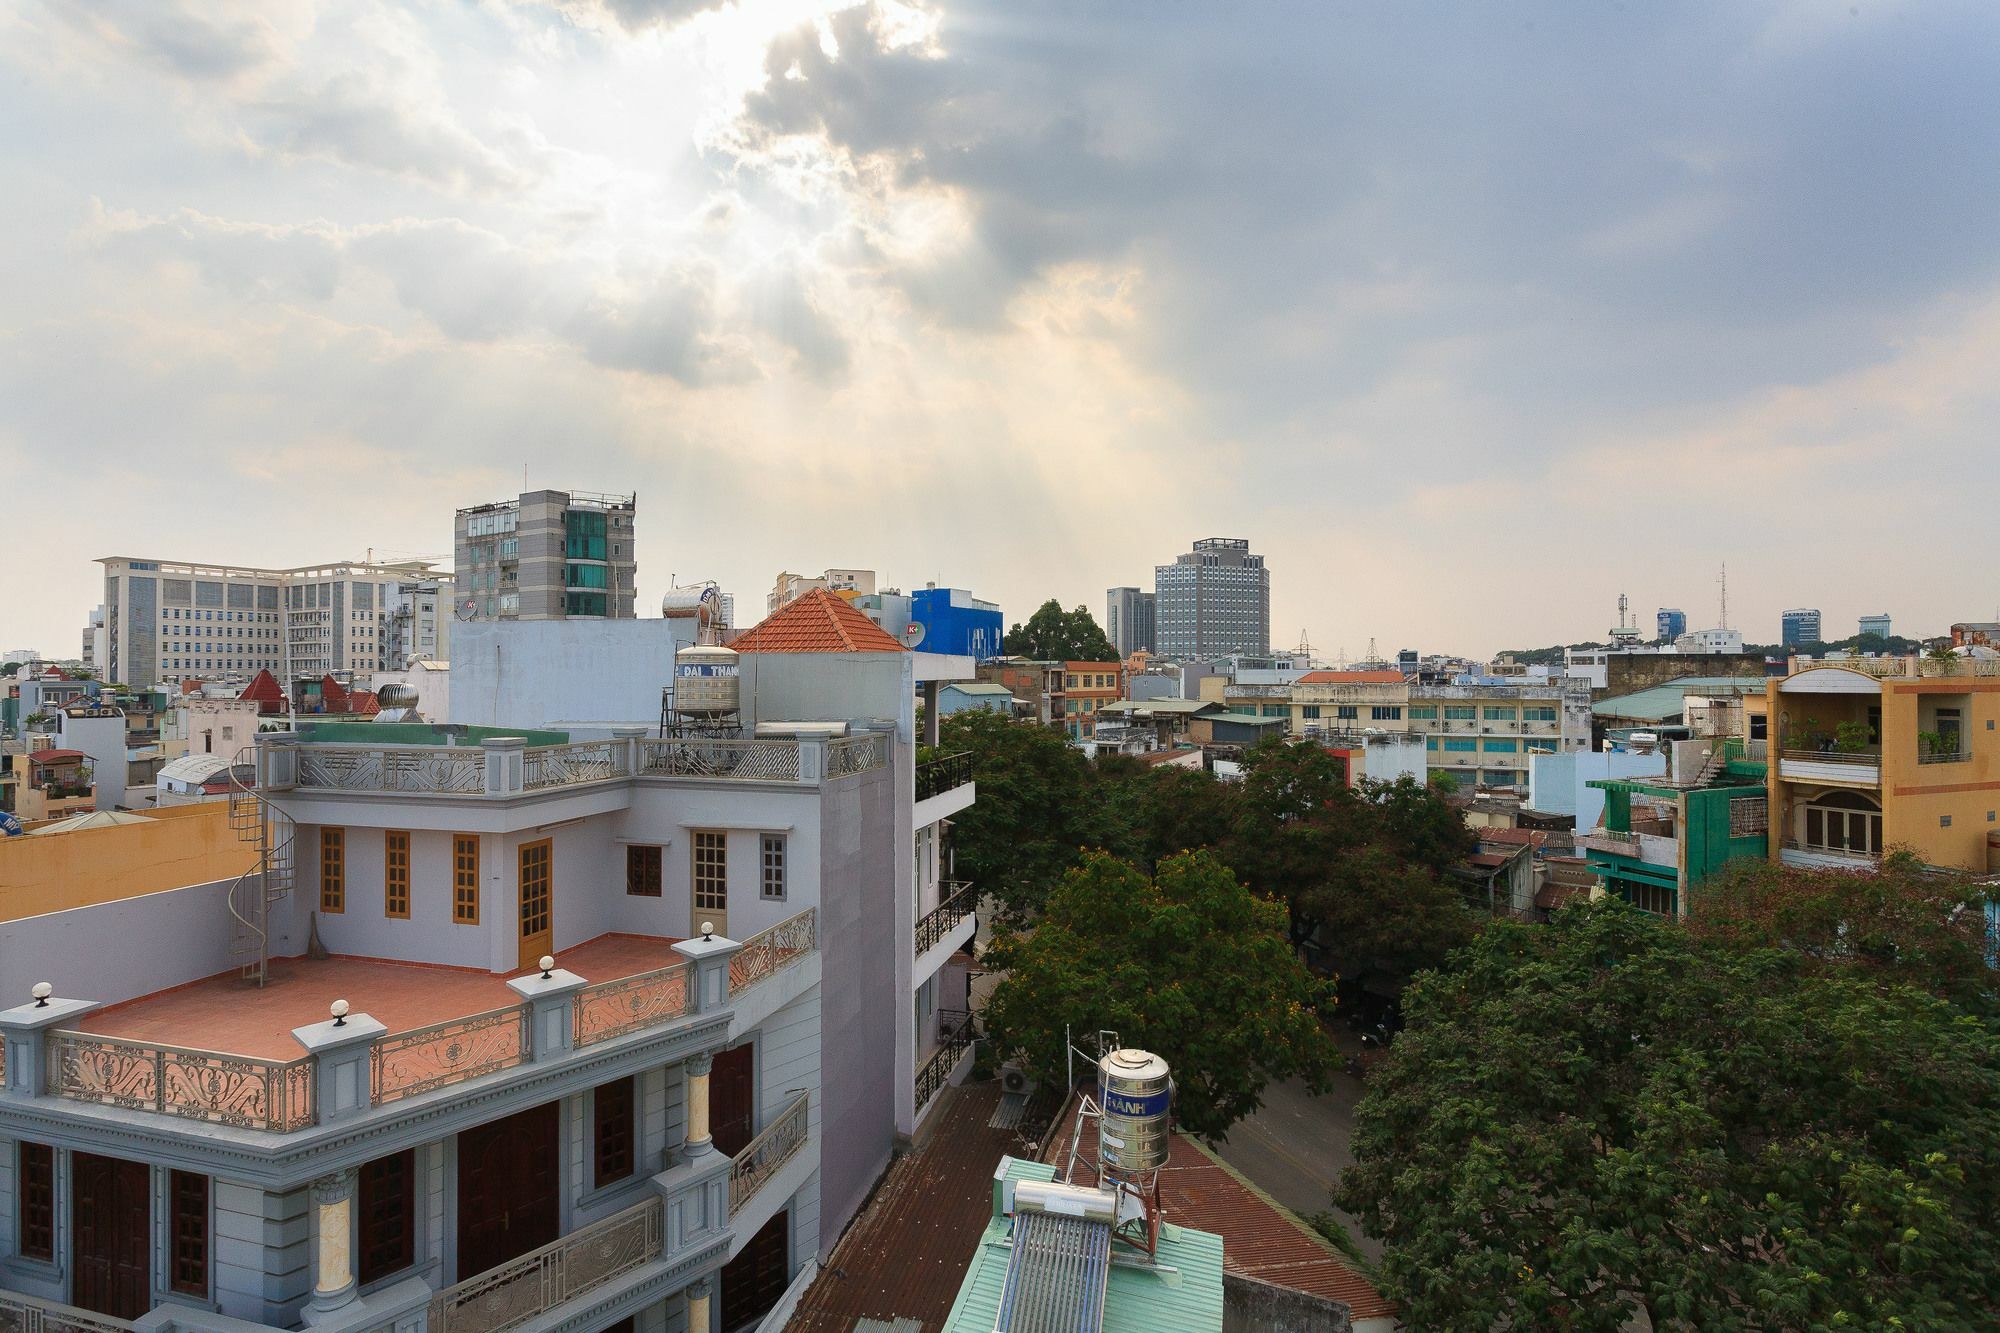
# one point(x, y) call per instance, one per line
point(443, 1027)
point(760, 1159)
point(26, 1314)
point(935, 777)
point(955, 1034)
point(1814, 856)
point(566, 1270)
point(934, 926)
point(1653, 849)
point(1831, 767)
point(1943, 756)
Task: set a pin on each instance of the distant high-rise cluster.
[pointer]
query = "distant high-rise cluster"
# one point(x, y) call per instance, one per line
point(1213, 601)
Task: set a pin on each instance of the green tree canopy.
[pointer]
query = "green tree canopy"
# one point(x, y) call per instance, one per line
point(1032, 817)
point(1186, 963)
point(1901, 923)
point(1607, 1114)
point(1055, 635)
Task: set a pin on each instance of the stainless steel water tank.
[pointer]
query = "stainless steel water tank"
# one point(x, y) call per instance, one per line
point(1136, 1093)
point(706, 680)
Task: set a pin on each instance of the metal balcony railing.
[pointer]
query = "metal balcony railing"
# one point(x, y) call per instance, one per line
point(771, 951)
point(934, 925)
point(27, 1314)
point(1943, 757)
point(763, 1155)
point(941, 775)
point(952, 1041)
point(237, 1090)
point(540, 1280)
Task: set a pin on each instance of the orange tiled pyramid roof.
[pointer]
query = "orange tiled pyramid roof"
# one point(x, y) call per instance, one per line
point(818, 622)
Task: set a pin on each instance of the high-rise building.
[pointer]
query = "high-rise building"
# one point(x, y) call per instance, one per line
point(549, 555)
point(1212, 601)
point(1876, 625)
point(1799, 626)
point(1128, 620)
point(1670, 624)
point(165, 621)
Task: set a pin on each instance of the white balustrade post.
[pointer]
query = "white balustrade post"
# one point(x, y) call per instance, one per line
point(551, 1001)
point(506, 760)
point(626, 739)
point(709, 986)
point(343, 1050)
point(25, 1030)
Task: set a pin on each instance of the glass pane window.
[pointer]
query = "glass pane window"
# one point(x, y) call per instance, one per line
point(711, 871)
point(642, 872)
point(774, 867)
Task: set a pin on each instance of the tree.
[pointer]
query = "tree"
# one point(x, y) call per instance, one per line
point(9, 668)
point(1900, 924)
point(1032, 817)
point(1186, 963)
point(1417, 822)
point(1055, 635)
point(1608, 1115)
point(1296, 818)
point(1380, 914)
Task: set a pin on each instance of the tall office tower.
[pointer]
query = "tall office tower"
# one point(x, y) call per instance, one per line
point(1799, 627)
point(1876, 625)
point(1128, 620)
point(1212, 601)
point(1670, 624)
point(549, 555)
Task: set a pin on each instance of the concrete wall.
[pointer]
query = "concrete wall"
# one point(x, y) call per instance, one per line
point(119, 950)
point(586, 675)
point(1556, 781)
point(830, 687)
point(788, 1062)
point(867, 1074)
point(1628, 673)
point(171, 850)
point(1251, 1306)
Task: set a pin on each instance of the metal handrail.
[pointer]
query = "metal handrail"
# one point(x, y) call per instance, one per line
point(771, 951)
point(1866, 757)
point(30, 1314)
point(425, 1059)
point(1798, 845)
point(243, 1091)
point(945, 773)
point(941, 920)
point(762, 1156)
point(1947, 757)
point(411, 768)
point(937, 1070)
point(740, 760)
point(856, 754)
point(608, 1009)
point(517, 1291)
point(572, 765)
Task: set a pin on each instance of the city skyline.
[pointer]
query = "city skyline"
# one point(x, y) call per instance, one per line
point(917, 287)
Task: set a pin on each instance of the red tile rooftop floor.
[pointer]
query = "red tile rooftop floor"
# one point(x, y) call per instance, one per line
point(228, 1015)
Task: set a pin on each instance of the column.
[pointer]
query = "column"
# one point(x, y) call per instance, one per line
point(25, 1031)
point(698, 1140)
point(333, 1230)
point(698, 1296)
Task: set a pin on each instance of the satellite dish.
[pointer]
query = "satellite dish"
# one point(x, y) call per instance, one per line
point(913, 633)
point(466, 608)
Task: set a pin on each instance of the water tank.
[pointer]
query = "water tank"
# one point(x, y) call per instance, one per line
point(396, 695)
point(1136, 1093)
point(701, 604)
point(705, 680)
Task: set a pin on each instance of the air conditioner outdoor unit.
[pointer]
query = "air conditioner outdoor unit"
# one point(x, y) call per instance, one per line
point(1013, 1078)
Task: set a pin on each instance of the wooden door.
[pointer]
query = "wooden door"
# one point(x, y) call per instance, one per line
point(509, 1189)
point(732, 1116)
point(753, 1281)
point(537, 880)
point(110, 1235)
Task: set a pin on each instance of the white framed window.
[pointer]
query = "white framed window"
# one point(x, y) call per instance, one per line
point(773, 862)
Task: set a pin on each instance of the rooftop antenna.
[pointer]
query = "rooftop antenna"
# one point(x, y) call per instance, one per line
point(1724, 581)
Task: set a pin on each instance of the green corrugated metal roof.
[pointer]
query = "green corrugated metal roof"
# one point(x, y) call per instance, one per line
point(1135, 1301)
point(1248, 719)
point(1664, 701)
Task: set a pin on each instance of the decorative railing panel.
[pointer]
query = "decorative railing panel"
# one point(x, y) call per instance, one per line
point(695, 757)
point(237, 1090)
point(425, 1059)
point(934, 925)
point(936, 1071)
point(539, 1281)
point(1944, 756)
point(610, 1009)
point(421, 768)
point(1867, 757)
point(857, 754)
point(26, 1314)
point(763, 1155)
point(938, 776)
point(569, 765)
point(769, 952)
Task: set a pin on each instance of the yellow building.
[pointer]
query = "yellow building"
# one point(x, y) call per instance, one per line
point(1877, 754)
point(160, 850)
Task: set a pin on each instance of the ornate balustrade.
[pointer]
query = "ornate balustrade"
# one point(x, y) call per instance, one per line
point(571, 765)
point(540, 1280)
point(698, 757)
point(237, 1090)
point(26, 1314)
point(934, 925)
point(610, 1009)
point(936, 1071)
point(857, 754)
point(438, 1056)
point(763, 1155)
point(769, 952)
point(415, 768)
point(938, 776)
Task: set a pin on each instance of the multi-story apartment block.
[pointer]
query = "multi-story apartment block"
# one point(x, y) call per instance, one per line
point(560, 1032)
point(1878, 625)
point(168, 621)
point(1079, 690)
point(1669, 624)
point(1129, 620)
point(1479, 732)
point(1664, 836)
point(1212, 601)
point(547, 555)
point(1798, 626)
point(789, 587)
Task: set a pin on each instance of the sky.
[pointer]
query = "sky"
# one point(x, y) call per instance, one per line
point(1469, 317)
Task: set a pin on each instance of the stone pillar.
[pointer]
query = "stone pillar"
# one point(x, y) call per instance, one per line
point(333, 1236)
point(343, 1051)
point(278, 760)
point(628, 738)
point(551, 1004)
point(699, 1292)
point(710, 983)
point(505, 765)
point(25, 1030)
point(698, 1140)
